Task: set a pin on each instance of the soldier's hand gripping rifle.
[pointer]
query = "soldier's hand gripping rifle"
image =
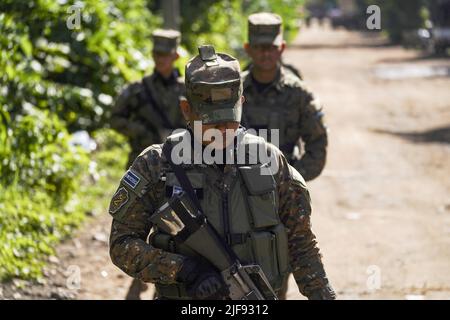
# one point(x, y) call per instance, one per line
point(189, 226)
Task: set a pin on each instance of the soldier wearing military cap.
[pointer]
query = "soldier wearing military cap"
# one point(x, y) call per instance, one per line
point(277, 99)
point(148, 110)
point(266, 28)
point(264, 218)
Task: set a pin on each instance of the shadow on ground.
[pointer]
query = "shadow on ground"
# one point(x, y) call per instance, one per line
point(437, 135)
point(421, 57)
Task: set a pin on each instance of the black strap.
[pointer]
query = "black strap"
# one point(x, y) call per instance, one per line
point(156, 106)
point(236, 238)
point(187, 187)
point(181, 176)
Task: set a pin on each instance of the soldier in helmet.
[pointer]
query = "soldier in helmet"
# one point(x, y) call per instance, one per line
point(148, 110)
point(264, 218)
point(275, 98)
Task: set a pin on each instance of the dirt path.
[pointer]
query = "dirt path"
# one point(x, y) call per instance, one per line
point(381, 206)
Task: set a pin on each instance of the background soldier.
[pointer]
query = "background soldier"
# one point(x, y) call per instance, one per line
point(250, 211)
point(277, 99)
point(148, 111)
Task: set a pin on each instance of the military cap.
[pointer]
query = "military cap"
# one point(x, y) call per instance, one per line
point(265, 28)
point(165, 40)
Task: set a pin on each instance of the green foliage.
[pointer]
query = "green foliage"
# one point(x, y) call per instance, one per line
point(55, 80)
point(224, 23)
point(212, 22)
point(289, 10)
point(39, 174)
point(30, 225)
point(39, 156)
point(33, 221)
point(76, 73)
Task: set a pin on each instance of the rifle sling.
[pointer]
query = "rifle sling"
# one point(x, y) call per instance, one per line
point(189, 189)
point(166, 122)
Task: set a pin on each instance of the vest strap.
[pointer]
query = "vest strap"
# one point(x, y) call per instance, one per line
point(236, 238)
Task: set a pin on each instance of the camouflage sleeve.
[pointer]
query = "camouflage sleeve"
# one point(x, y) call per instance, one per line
point(122, 119)
point(131, 206)
point(314, 134)
point(304, 256)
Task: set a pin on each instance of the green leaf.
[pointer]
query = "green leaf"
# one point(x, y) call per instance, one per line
point(26, 46)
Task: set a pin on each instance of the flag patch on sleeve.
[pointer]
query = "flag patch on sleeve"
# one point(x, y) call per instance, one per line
point(131, 179)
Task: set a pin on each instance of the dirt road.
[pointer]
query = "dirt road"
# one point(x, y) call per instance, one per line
point(381, 206)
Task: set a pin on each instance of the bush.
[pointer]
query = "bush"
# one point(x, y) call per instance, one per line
point(39, 156)
point(75, 74)
point(54, 81)
point(39, 174)
point(32, 218)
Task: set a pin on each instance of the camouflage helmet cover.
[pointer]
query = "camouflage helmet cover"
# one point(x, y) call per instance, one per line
point(214, 86)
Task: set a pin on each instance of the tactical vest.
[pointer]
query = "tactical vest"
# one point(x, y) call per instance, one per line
point(242, 205)
point(272, 109)
point(158, 109)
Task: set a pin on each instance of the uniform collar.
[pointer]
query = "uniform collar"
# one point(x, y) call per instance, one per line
point(278, 83)
point(171, 80)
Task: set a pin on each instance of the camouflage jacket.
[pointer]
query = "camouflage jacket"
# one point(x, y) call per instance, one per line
point(286, 104)
point(131, 226)
point(148, 111)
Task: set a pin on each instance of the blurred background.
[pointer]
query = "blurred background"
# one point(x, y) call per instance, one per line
point(381, 208)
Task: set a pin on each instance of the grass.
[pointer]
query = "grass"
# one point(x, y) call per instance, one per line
point(32, 224)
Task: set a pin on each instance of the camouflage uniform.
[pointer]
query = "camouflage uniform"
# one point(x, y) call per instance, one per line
point(285, 104)
point(143, 189)
point(148, 111)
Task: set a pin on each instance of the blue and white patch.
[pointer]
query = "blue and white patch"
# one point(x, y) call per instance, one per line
point(176, 190)
point(131, 179)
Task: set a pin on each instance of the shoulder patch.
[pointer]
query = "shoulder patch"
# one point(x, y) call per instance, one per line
point(119, 199)
point(131, 179)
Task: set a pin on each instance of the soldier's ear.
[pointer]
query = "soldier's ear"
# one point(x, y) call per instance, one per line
point(247, 47)
point(282, 47)
point(185, 109)
point(242, 99)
